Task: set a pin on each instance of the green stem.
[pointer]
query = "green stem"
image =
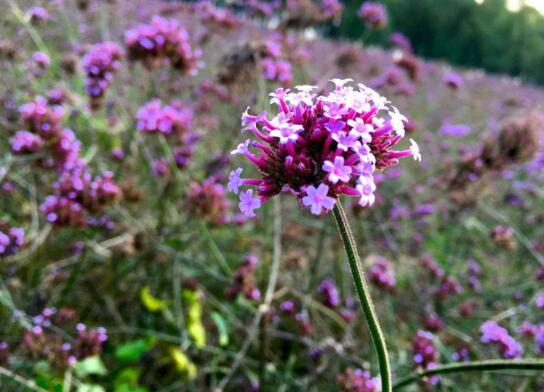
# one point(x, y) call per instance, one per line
point(363, 293)
point(476, 366)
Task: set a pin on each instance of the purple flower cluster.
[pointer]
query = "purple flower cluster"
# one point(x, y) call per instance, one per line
point(11, 239)
point(447, 287)
point(25, 142)
point(425, 354)
point(78, 194)
point(328, 293)
point(453, 80)
point(162, 40)
point(539, 301)
point(320, 147)
point(277, 70)
point(357, 380)
point(40, 63)
point(37, 14)
point(494, 333)
point(42, 119)
point(373, 14)
point(208, 201)
point(89, 342)
point(45, 133)
point(434, 323)
point(154, 117)
point(99, 64)
point(429, 264)
point(536, 332)
point(174, 121)
point(401, 41)
point(331, 9)
point(46, 339)
point(274, 67)
point(473, 274)
point(211, 14)
point(461, 355)
point(244, 282)
point(381, 273)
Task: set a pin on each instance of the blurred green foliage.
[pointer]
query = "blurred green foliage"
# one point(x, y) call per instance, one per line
point(461, 32)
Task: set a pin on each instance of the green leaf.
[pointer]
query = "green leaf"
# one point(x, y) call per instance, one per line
point(90, 388)
point(133, 351)
point(90, 366)
point(183, 363)
point(222, 328)
point(130, 388)
point(150, 302)
point(194, 318)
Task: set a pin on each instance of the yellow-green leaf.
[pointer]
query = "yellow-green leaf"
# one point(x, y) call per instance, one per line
point(196, 329)
point(183, 363)
point(150, 302)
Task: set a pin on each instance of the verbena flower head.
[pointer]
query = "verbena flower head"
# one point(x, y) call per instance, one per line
point(328, 293)
point(41, 118)
point(37, 14)
point(208, 201)
point(24, 142)
point(161, 40)
point(11, 239)
point(494, 333)
point(99, 65)
point(357, 380)
point(425, 354)
point(153, 117)
point(320, 147)
point(381, 273)
point(373, 14)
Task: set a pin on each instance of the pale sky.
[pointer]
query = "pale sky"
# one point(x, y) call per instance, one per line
point(515, 5)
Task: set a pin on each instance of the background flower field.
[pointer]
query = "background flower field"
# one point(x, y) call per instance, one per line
point(127, 265)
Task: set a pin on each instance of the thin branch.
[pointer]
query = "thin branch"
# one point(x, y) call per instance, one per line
point(476, 366)
point(30, 384)
point(269, 295)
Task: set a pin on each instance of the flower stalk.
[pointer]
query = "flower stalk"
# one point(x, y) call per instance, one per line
point(363, 293)
point(476, 366)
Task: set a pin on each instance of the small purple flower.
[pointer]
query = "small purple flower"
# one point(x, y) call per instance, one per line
point(248, 203)
point(317, 199)
point(346, 141)
point(366, 187)
point(234, 181)
point(337, 170)
point(287, 133)
point(425, 354)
